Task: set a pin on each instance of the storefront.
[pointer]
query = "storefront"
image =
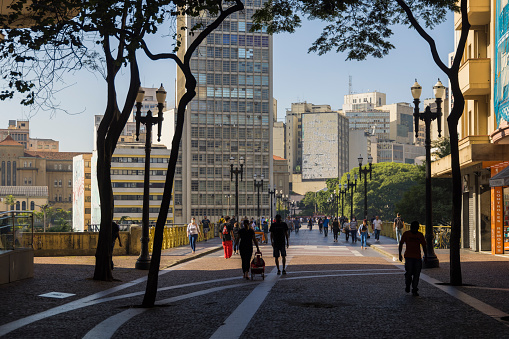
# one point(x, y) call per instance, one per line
point(499, 184)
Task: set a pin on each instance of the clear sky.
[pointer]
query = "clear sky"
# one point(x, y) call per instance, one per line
point(298, 77)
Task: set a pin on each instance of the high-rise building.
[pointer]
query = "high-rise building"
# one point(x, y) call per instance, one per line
point(230, 117)
point(294, 132)
point(324, 145)
point(278, 144)
point(363, 101)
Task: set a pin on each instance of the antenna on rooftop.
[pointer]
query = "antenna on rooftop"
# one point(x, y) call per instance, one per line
point(349, 84)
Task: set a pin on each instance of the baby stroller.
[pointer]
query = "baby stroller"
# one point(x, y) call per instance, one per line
point(258, 265)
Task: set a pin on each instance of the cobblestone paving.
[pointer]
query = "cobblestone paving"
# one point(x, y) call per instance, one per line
point(332, 290)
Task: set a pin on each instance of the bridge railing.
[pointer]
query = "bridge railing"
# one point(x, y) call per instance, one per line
point(16, 229)
point(442, 234)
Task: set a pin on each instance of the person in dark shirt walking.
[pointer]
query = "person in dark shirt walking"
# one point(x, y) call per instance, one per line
point(335, 229)
point(115, 233)
point(206, 226)
point(278, 235)
point(413, 263)
point(247, 238)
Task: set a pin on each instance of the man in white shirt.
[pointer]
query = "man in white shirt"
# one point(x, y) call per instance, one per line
point(377, 226)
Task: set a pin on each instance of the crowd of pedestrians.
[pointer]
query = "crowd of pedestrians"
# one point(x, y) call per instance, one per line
point(239, 238)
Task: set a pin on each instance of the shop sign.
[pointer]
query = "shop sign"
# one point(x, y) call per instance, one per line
point(497, 221)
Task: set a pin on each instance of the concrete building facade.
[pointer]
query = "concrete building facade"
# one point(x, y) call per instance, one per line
point(483, 144)
point(324, 145)
point(230, 117)
point(279, 142)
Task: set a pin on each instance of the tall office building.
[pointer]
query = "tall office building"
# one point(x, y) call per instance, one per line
point(230, 116)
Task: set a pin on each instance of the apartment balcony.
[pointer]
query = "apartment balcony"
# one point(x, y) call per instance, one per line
point(474, 78)
point(478, 14)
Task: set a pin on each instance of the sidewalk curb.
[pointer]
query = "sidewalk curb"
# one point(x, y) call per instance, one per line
point(196, 256)
point(384, 252)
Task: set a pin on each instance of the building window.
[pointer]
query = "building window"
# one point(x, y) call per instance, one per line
point(59, 183)
point(60, 197)
point(55, 184)
point(14, 173)
point(23, 206)
point(17, 206)
point(8, 173)
point(30, 164)
point(25, 181)
point(25, 164)
point(69, 183)
point(3, 173)
point(70, 197)
point(30, 181)
point(32, 205)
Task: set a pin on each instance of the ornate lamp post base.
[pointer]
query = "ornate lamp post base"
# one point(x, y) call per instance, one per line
point(432, 262)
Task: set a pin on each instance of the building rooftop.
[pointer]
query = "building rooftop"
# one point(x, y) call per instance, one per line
point(54, 155)
point(275, 157)
point(9, 141)
point(29, 191)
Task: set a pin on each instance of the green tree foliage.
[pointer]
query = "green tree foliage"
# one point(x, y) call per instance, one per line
point(388, 184)
point(413, 206)
point(360, 28)
point(307, 204)
point(10, 200)
point(441, 147)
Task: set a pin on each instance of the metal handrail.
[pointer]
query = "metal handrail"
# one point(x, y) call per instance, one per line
point(5, 242)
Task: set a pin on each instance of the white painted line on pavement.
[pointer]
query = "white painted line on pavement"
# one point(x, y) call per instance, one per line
point(73, 305)
point(356, 253)
point(107, 328)
point(340, 275)
point(237, 322)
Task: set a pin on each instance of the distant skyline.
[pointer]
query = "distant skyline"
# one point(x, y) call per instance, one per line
point(298, 77)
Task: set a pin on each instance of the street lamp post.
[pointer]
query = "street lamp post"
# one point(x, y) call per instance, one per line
point(258, 184)
point(236, 171)
point(343, 194)
point(365, 171)
point(279, 196)
point(143, 262)
point(228, 196)
point(351, 186)
point(272, 196)
point(428, 116)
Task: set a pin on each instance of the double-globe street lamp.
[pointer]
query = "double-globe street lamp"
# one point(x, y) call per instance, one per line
point(342, 192)
point(428, 116)
point(272, 194)
point(143, 262)
point(258, 184)
point(351, 186)
point(236, 171)
point(365, 171)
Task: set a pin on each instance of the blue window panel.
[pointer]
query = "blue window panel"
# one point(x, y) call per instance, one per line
point(265, 41)
point(242, 26)
point(233, 39)
point(226, 39)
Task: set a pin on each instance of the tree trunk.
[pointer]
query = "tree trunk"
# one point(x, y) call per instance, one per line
point(153, 275)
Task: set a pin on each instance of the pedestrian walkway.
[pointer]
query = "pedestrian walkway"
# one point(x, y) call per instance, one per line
point(318, 290)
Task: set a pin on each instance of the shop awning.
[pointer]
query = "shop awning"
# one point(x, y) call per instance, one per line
point(500, 179)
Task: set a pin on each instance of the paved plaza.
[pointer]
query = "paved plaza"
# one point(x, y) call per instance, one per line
point(332, 290)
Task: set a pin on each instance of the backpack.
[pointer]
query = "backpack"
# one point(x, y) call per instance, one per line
point(399, 223)
point(225, 229)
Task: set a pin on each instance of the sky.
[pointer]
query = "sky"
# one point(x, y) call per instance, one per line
point(298, 76)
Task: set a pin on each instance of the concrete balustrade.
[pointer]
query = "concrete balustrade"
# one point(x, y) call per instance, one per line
point(48, 244)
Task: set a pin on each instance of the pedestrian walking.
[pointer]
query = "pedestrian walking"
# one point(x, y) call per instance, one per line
point(227, 234)
point(398, 226)
point(235, 231)
point(346, 228)
point(353, 229)
point(265, 227)
point(413, 239)
point(320, 224)
point(310, 223)
point(325, 226)
point(192, 233)
point(335, 229)
point(246, 239)
point(115, 233)
point(296, 224)
point(377, 228)
point(363, 233)
point(278, 235)
point(206, 226)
